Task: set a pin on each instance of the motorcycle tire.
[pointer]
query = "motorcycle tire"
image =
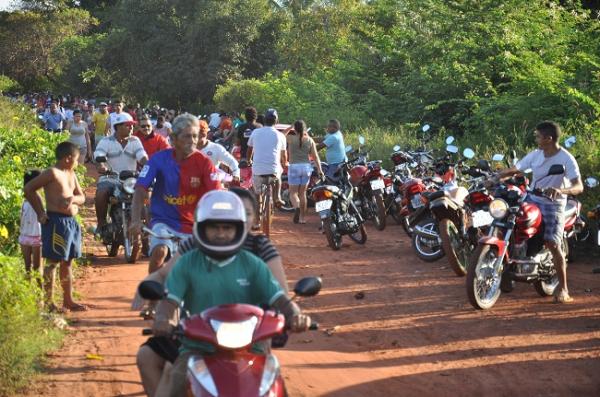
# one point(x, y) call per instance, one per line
point(547, 288)
point(484, 258)
point(360, 237)
point(395, 212)
point(134, 251)
point(453, 247)
point(405, 225)
point(334, 239)
point(378, 209)
point(427, 254)
point(112, 249)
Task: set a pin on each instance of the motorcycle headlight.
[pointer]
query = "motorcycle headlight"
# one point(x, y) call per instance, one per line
point(129, 185)
point(198, 369)
point(234, 335)
point(498, 208)
point(269, 374)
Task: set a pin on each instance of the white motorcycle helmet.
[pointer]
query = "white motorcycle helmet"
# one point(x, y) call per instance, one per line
point(223, 207)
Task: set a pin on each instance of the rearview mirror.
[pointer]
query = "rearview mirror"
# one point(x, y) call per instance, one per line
point(361, 140)
point(151, 290)
point(308, 286)
point(348, 148)
point(449, 140)
point(483, 165)
point(591, 182)
point(426, 128)
point(396, 148)
point(452, 149)
point(469, 153)
point(498, 157)
point(570, 141)
point(556, 169)
point(100, 159)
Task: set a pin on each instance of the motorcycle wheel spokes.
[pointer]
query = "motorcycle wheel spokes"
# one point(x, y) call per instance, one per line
point(360, 237)
point(483, 282)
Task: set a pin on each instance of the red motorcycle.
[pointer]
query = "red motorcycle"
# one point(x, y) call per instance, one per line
point(369, 183)
point(514, 249)
point(235, 369)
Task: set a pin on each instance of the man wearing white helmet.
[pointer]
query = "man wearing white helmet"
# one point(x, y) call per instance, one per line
point(218, 272)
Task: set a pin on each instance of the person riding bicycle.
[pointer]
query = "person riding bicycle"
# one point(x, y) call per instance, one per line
point(557, 187)
point(218, 272)
point(217, 153)
point(267, 152)
point(180, 177)
point(155, 356)
point(123, 152)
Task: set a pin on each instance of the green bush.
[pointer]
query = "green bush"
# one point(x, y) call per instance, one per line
point(7, 84)
point(24, 335)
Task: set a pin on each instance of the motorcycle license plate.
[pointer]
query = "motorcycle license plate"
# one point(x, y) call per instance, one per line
point(482, 218)
point(377, 184)
point(388, 189)
point(323, 205)
point(416, 201)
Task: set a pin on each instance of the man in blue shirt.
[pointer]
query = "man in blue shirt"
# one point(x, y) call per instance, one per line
point(54, 120)
point(335, 154)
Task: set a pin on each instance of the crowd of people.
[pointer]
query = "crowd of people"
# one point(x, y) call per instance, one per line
point(220, 259)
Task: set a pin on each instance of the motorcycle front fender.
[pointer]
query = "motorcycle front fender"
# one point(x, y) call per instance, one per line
point(499, 243)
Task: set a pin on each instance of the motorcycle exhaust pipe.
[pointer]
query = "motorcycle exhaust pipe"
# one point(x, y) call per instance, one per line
point(426, 233)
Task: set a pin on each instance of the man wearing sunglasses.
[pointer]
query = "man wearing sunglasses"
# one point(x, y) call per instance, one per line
point(151, 141)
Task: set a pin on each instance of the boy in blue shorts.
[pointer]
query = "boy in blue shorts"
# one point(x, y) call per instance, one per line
point(61, 234)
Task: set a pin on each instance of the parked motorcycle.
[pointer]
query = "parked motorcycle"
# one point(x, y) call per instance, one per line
point(367, 179)
point(235, 369)
point(593, 215)
point(462, 215)
point(116, 232)
point(514, 249)
point(339, 215)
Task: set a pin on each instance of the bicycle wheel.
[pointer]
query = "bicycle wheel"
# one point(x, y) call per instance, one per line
point(267, 213)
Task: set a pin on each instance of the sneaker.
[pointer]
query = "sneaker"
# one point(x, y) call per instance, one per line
point(562, 297)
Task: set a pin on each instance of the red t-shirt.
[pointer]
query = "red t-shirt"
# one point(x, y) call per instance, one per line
point(152, 142)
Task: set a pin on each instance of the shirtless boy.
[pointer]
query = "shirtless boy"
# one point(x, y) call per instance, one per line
point(61, 234)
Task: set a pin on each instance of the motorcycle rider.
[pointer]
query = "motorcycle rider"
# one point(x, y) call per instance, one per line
point(218, 272)
point(217, 153)
point(557, 188)
point(155, 356)
point(180, 177)
point(122, 151)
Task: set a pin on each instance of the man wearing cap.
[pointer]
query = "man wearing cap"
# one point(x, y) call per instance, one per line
point(100, 123)
point(123, 151)
point(267, 152)
point(179, 177)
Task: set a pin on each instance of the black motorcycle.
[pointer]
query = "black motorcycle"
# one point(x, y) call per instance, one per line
point(116, 232)
point(339, 216)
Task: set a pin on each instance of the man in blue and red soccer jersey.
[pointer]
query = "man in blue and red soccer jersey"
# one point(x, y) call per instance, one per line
point(179, 177)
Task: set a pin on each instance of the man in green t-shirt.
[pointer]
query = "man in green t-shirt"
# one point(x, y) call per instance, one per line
point(218, 272)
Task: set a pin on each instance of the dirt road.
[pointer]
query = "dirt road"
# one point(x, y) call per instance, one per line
point(412, 334)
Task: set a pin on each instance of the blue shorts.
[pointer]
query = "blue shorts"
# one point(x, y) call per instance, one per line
point(162, 229)
point(553, 215)
point(61, 237)
point(299, 174)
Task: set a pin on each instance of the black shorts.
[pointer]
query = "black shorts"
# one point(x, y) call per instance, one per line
point(165, 347)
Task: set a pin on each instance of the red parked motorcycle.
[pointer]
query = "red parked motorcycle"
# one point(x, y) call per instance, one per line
point(514, 249)
point(235, 369)
point(368, 181)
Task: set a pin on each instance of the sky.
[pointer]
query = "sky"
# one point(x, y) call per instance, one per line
point(5, 4)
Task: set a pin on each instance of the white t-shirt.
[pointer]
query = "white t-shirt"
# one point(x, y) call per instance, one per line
point(215, 120)
point(217, 154)
point(119, 158)
point(540, 165)
point(267, 144)
point(29, 222)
